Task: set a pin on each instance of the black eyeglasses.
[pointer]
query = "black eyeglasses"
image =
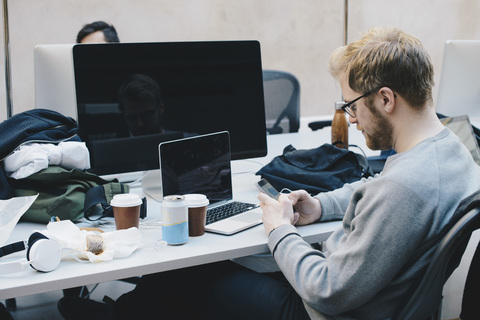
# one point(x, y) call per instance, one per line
point(349, 109)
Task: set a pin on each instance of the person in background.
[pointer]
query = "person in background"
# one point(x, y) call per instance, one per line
point(391, 224)
point(97, 32)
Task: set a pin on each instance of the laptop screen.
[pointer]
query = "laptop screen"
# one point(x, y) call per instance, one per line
point(200, 164)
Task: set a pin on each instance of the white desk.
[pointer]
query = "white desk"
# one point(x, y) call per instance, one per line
point(198, 250)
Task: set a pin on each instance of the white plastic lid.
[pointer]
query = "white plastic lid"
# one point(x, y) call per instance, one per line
point(195, 200)
point(126, 200)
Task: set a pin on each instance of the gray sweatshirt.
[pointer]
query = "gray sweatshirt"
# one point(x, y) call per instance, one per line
point(367, 264)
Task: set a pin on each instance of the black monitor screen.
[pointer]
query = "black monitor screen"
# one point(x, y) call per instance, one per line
point(163, 91)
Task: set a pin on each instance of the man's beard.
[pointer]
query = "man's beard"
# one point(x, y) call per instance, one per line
point(380, 137)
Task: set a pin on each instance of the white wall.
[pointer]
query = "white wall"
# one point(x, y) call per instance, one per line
point(297, 36)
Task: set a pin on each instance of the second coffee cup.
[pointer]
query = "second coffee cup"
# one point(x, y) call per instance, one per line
point(126, 210)
point(197, 213)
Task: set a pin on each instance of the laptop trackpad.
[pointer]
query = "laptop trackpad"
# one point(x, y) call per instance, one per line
point(236, 223)
point(248, 217)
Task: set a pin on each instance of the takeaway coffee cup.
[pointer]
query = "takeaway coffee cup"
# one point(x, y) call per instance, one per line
point(197, 213)
point(126, 210)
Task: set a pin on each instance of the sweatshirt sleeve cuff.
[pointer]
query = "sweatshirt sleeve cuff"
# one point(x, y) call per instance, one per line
point(278, 234)
point(328, 212)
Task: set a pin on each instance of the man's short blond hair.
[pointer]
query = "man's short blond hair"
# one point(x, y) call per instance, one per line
point(386, 57)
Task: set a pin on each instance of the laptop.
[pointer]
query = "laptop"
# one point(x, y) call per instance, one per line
point(202, 164)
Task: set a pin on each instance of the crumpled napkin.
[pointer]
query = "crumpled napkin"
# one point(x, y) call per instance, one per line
point(10, 212)
point(73, 241)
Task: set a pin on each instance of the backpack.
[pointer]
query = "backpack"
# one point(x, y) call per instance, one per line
point(62, 193)
point(316, 170)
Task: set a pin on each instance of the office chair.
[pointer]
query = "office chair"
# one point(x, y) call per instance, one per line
point(426, 300)
point(317, 125)
point(471, 292)
point(282, 101)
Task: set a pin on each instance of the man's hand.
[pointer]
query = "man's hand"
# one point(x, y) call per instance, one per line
point(297, 208)
point(275, 213)
point(307, 209)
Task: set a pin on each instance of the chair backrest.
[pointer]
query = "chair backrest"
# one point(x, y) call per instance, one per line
point(282, 101)
point(427, 297)
point(471, 292)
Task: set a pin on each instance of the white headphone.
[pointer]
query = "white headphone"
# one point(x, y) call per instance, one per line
point(43, 254)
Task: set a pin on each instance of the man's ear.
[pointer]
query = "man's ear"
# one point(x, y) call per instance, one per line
point(388, 97)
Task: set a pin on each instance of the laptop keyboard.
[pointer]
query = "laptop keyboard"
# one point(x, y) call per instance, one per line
point(228, 210)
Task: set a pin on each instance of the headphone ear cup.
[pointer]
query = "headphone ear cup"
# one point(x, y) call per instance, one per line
point(43, 253)
point(34, 237)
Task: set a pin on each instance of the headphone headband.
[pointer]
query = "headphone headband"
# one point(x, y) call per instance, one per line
point(11, 248)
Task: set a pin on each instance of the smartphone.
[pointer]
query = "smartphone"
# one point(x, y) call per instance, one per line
point(266, 187)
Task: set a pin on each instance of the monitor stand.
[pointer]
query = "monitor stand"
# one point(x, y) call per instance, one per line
point(150, 180)
point(152, 185)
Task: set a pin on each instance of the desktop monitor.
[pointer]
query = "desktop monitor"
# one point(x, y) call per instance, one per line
point(182, 88)
point(459, 87)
